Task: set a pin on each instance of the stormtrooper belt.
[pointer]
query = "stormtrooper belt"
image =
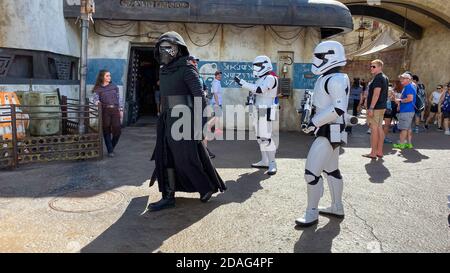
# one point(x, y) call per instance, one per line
point(324, 131)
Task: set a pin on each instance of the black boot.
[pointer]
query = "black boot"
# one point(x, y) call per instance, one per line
point(211, 155)
point(204, 198)
point(168, 195)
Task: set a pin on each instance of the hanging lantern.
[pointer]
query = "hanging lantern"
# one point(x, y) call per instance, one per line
point(404, 38)
point(361, 32)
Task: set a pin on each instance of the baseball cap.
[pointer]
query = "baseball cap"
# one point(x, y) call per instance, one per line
point(193, 58)
point(405, 76)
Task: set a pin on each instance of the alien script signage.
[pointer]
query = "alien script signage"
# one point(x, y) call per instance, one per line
point(154, 4)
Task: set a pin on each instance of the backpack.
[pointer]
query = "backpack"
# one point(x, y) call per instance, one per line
point(420, 105)
point(421, 90)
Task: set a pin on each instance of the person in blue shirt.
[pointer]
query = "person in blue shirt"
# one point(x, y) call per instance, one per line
point(407, 112)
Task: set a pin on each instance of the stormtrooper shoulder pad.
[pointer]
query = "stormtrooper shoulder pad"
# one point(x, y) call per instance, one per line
point(337, 82)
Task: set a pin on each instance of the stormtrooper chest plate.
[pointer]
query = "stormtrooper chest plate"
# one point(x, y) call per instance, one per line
point(266, 99)
point(321, 99)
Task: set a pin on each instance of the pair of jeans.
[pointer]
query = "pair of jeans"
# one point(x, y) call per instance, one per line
point(111, 127)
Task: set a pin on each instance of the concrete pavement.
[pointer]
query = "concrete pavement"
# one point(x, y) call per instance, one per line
point(398, 204)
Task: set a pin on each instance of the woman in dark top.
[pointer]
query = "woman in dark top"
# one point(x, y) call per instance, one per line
point(108, 95)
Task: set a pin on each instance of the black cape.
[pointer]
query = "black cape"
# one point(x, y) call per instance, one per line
point(190, 159)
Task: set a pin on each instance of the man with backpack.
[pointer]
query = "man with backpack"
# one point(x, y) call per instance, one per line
point(420, 102)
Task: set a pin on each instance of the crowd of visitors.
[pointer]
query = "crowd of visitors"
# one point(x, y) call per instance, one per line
point(401, 105)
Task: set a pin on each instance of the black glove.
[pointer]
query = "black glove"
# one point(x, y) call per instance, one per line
point(310, 128)
point(238, 81)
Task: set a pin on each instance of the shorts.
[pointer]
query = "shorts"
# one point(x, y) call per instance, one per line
point(377, 119)
point(434, 108)
point(389, 114)
point(218, 111)
point(405, 120)
point(446, 114)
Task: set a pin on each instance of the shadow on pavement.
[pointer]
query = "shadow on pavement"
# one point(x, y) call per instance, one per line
point(138, 233)
point(377, 171)
point(131, 166)
point(413, 156)
point(320, 240)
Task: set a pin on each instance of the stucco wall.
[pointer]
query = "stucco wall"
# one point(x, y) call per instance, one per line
point(37, 25)
point(40, 25)
point(430, 57)
point(231, 45)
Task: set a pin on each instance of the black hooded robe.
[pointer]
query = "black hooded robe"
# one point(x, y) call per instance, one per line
point(190, 159)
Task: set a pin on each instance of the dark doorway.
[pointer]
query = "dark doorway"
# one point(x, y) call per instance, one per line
point(143, 73)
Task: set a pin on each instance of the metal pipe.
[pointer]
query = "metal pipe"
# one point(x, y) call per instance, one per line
point(83, 68)
point(14, 136)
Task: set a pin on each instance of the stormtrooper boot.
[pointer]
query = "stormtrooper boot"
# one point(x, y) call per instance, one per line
point(336, 209)
point(312, 213)
point(272, 163)
point(264, 163)
point(311, 218)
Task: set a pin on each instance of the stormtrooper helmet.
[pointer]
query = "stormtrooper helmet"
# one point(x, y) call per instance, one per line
point(328, 55)
point(261, 66)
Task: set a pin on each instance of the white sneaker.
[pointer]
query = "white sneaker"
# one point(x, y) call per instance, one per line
point(272, 168)
point(369, 131)
point(311, 218)
point(333, 211)
point(447, 133)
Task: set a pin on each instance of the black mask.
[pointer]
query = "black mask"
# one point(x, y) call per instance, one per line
point(167, 52)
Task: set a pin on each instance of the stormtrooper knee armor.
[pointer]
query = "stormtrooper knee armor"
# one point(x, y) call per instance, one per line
point(265, 91)
point(328, 123)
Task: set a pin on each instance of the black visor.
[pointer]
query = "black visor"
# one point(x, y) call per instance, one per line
point(260, 64)
point(321, 56)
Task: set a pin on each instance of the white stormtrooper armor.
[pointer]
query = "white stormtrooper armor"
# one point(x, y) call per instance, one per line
point(265, 91)
point(328, 123)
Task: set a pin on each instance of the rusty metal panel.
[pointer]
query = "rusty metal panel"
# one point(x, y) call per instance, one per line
point(57, 148)
point(6, 154)
point(69, 146)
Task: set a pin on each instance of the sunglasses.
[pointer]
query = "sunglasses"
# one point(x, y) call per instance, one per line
point(373, 66)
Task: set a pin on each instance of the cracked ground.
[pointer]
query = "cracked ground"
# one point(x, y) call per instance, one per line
point(398, 204)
